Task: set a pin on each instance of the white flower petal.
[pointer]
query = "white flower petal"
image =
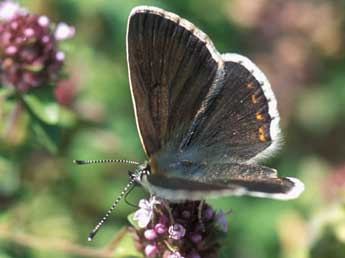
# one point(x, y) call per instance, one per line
point(63, 31)
point(9, 9)
point(43, 21)
point(144, 204)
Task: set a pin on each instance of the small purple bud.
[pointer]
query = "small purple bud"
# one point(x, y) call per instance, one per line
point(175, 255)
point(186, 214)
point(195, 237)
point(60, 56)
point(208, 213)
point(11, 50)
point(151, 250)
point(150, 234)
point(63, 31)
point(177, 231)
point(160, 228)
point(14, 25)
point(194, 255)
point(45, 39)
point(29, 32)
point(43, 21)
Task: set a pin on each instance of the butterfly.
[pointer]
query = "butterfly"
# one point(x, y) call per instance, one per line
point(204, 119)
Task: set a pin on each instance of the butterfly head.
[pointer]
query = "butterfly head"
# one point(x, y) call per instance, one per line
point(137, 175)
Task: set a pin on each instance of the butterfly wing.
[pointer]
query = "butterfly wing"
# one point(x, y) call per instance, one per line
point(241, 123)
point(171, 67)
point(223, 179)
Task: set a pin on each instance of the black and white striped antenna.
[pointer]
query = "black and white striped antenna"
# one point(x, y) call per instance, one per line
point(85, 162)
point(126, 190)
point(128, 187)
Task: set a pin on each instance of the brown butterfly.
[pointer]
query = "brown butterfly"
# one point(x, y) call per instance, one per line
point(204, 119)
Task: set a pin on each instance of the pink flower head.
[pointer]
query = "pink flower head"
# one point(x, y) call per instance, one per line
point(176, 231)
point(29, 51)
point(175, 255)
point(145, 213)
point(221, 221)
point(9, 10)
point(64, 31)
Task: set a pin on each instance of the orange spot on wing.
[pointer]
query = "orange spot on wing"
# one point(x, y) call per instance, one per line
point(250, 85)
point(262, 134)
point(259, 116)
point(254, 99)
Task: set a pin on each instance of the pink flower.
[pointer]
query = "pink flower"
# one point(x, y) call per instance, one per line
point(43, 21)
point(64, 31)
point(175, 255)
point(160, 228)
point(151, 250)
point(29, 50)
point(144, 214)
point(150, 234)
point(9, 10)
point(177, 231)
point(187, 237)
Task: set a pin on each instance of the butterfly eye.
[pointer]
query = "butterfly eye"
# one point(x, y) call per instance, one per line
point(131, 174)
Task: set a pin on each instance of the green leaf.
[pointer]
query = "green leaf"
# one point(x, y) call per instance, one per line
point(6, 91)
point(66, 117)
point(46, 135)
point(126, 248)
point(48, 111)
point(34, 68)
point(133, 222)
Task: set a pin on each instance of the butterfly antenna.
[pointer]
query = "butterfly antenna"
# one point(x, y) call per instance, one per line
point(128, 188)
point(84, 162)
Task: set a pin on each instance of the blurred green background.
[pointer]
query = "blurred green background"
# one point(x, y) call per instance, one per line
point(48, 205)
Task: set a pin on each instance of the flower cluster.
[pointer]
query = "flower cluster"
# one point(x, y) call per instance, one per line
point(29, 54)
point(178, 230)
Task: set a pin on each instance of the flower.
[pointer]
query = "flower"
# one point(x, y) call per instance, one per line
point(9, 10)
point(29, 54)
point(175, 255)
point(177, 231)
point(160, 228)
point(144, 214)
point(63, 31)
point(221, 221)
point(150, 234)
point(151, 250)
point(208, 213)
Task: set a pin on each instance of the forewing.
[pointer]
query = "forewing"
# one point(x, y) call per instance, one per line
point(172, 66)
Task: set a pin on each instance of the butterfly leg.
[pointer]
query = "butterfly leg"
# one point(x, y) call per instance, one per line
point(201, 204)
